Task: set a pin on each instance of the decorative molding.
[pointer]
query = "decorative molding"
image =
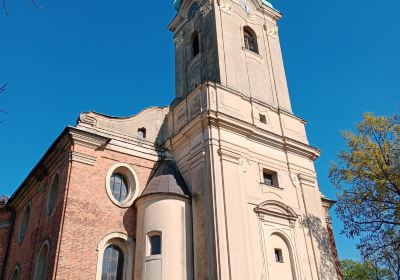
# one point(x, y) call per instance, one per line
point(87, 119)
point(205, 9)
point(270, 208)
point(272, 31)
point(179, 40)
point(246, 6)
point(308, 180)
point(226, 6)
point(243, 164)
point(86, 139)
point(82, 158)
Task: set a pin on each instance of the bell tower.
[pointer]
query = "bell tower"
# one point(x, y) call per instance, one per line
point(242, 53)
point(257, 210)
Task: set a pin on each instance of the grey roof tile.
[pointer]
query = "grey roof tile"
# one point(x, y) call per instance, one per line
point(167, 179)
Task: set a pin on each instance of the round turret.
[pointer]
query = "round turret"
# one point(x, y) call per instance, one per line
point(164, 227)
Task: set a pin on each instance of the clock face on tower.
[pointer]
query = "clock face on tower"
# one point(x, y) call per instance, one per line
point(246, 6)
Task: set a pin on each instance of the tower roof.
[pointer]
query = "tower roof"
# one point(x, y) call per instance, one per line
point(167, 180)
point(178, 4)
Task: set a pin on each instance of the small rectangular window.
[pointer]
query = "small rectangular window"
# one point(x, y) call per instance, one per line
point(278, 256)
point(263, 119)
point(155, 245)
point(268, 179)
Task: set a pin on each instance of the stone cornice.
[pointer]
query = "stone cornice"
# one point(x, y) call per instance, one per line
point(87, 139)
point(222, 120)
point(57, 152)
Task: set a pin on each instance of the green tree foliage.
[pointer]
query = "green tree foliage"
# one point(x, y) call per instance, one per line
point(366, 270)
point(368, 177)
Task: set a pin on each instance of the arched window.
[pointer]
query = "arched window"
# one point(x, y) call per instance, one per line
point(113, 263)
point(119, 186)
point(142, 132)
point(195, 44)
point(24, 223)
point(193, 10)
point(115, 257)
point(15, 274)
point(53, 194)
point(250, 39)
point(41, 262)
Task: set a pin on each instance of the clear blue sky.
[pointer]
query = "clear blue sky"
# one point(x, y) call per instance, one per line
point(116, 57)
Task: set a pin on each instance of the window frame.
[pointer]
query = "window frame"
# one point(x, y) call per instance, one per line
point(250, 34)
point(132, 180)
point(150, 235)
point(120, 261)
point(123, 185)
point(275, 178)
point(126, 244)
point(278, 255)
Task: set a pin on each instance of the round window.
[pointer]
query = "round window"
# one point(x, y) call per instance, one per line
point(122, 185)
point(53, 194)
point(24, 224)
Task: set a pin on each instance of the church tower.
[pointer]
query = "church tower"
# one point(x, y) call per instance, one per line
point(258, 212)
point(220, 185)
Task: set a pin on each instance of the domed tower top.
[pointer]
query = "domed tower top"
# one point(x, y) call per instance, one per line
point(178, 4)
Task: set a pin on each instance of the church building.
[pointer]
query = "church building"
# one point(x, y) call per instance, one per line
point(219, 185)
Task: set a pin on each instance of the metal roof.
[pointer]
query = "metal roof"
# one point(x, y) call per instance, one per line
point(167, 180)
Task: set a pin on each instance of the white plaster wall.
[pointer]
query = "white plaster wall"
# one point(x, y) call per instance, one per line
point(172, 217)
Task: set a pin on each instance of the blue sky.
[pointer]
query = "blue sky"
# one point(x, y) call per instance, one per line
point(116, 57)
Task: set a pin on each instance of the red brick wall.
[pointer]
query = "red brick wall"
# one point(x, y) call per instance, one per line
point(5, 217)
point(41, 227)
point(90, 214)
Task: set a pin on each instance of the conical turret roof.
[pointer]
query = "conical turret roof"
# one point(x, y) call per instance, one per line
point(167, 180)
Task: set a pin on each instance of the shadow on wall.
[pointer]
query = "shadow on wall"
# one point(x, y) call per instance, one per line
point(129, 221)
point(321, 237)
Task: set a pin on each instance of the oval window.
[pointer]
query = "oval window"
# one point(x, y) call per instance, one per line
point(122, 185)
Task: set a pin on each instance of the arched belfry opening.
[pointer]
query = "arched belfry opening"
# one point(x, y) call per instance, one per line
point(195, 44)
point(250, 39)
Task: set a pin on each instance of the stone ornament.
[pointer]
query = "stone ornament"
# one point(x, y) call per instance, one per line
point(272, 31)
point(246, 6)
point(205, 9)
point(295, 179)
point(226, 6)
point(179, 40)
point(87, 119)
point(243, 164)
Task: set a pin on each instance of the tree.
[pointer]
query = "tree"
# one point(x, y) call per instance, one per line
point(34, 3)
point(368, 178)
point(366, 270)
